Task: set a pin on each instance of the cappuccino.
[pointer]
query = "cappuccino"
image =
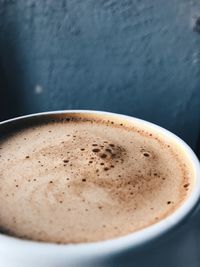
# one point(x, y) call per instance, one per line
point(84, 178)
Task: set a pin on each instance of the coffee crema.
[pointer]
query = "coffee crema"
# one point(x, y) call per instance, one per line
point(85, 178)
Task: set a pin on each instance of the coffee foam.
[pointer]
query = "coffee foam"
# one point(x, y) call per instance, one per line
point(84, 180)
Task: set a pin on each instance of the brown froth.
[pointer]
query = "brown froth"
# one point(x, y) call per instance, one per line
point(85, 179)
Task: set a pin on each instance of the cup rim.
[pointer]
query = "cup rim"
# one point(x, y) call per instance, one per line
point(132, 240)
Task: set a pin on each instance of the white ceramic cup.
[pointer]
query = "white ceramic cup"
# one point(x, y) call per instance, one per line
point(172, 242)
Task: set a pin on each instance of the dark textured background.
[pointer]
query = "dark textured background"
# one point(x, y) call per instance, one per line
point(139, 58)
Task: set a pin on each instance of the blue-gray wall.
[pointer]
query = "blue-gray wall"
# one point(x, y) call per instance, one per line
point(140, 58)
